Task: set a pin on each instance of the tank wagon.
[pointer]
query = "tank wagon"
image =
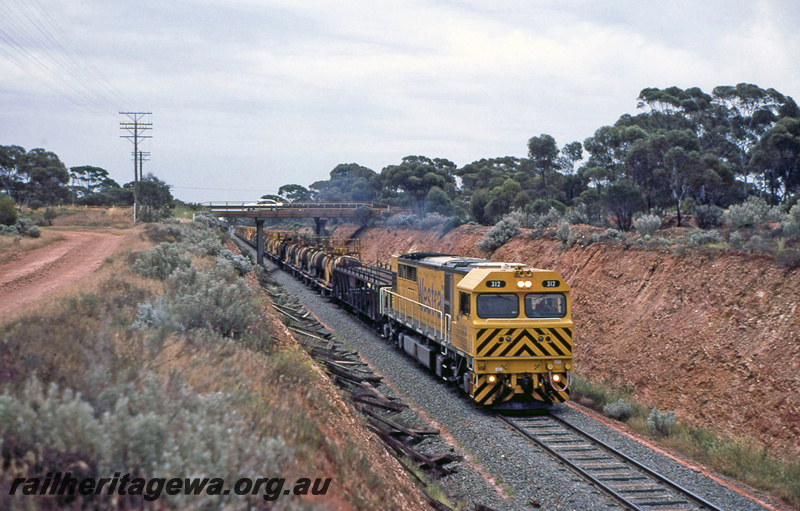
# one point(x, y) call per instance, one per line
point(502, 332)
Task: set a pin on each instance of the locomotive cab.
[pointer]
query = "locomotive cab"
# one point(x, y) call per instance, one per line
point(518, 327)
point(501, 331)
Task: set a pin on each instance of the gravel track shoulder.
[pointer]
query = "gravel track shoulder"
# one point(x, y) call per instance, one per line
point(501, 469)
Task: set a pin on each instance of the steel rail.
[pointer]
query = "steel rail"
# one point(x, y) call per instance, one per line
point(704, 504)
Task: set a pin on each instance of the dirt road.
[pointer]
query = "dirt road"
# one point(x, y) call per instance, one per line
point(32, 275)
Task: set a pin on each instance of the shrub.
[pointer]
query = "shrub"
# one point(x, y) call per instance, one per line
point(159, 262)
point(647, 225)
point(213, 299)
point(563, 232)
point(505, 229)
point(577, 215)
point(34, 232)
point(8, 210)
point(620, 410)
point(794, 213)
point(661, 424)
point(698, 238)
point(708, 216)
point(751, 213)
point(756, 243)
point(543, 206)
point(35, 204)
point(240, 263)
point(149, 430)
point(207, 219)
point(610, 235)
point(736, 240)
point(551, 217)
point(428, 221)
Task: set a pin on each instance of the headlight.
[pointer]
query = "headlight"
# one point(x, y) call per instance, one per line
point(492, 378)
point(556, 378)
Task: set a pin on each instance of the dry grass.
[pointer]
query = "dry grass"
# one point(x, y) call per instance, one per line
point(739, 458)
point(85, 216)
point(11, 246)
point(84, 341)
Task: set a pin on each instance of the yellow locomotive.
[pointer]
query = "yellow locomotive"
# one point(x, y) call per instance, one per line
point(502, 331)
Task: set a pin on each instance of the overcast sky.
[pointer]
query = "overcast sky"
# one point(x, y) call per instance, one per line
point(248, 95)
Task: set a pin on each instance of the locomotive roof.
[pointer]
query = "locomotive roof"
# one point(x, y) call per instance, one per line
point(453, 261)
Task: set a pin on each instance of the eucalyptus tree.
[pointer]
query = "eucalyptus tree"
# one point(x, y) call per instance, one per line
point(748, 112)
point(542, 152)
point(87, 179)
point(10, 179)
point(777, 158)
point(348, 182)
point(45, 177)
point(413, 178)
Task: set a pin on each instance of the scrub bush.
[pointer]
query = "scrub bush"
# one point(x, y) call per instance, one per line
point(240, 263)
point(647, 225)
point(505, 229)
point(708, 216)
point(698, 238)
point(620, 410)
point(661, 424)
point(159, 262)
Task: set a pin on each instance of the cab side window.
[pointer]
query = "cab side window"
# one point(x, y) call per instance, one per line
point(463, 301)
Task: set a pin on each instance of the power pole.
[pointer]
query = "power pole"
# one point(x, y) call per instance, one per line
point(136, 133)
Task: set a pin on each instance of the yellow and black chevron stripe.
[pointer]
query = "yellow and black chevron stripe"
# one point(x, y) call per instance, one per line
point(487, 393)
point(540, 394)
point(520, 342)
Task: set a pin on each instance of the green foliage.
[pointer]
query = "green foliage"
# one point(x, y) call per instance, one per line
point(708, 216)
point(543, 206)
point(146, 430)
point(661, 424)
point(498, 235)
point(620, 410)
point(240, 263)
point(160, 261)
point(699, 238)
point(214, 299)
point(363, 215)
point(611, 235)
point(623, 200)
point(8, 210)
point(34, 232)
point(154, 197)
point(563, 232)
point(753, 212)
point(647, 225)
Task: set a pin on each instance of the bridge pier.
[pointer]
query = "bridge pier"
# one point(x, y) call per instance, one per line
point(319, 225)
point(260, 241)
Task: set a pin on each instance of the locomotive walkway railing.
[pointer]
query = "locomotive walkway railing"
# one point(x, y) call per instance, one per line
point(418, 316)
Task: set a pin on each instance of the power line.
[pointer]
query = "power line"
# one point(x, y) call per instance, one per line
point(136, 133)
point(33, 41)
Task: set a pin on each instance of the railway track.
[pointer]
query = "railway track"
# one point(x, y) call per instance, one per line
point(625, 480)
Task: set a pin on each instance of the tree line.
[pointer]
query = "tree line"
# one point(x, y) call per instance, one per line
point(38, 178)
point(686, 149)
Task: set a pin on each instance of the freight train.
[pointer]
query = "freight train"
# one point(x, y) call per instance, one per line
point(502, 332)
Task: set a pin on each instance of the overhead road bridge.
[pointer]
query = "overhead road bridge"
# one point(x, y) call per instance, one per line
point(319, 211)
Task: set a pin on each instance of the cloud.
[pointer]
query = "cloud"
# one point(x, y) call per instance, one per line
point(268, 89)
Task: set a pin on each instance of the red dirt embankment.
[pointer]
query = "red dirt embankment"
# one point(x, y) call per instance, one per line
point(713, 336)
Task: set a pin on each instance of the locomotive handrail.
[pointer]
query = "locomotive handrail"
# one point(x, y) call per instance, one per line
point(441, 320)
